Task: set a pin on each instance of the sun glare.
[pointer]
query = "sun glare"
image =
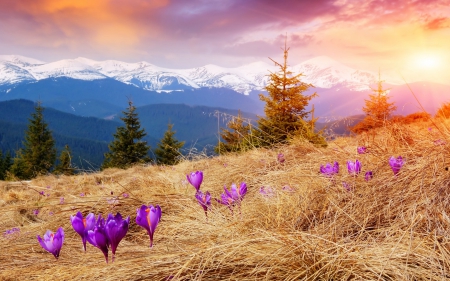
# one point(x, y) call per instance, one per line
point(427, 61)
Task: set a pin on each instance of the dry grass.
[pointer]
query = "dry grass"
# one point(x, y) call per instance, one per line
point(390, 228)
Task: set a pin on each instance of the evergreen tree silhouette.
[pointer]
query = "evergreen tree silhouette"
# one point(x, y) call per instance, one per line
point(39, 153)
point(65, 163)
point(236, 137)
point(127, 148)
point(168, 150)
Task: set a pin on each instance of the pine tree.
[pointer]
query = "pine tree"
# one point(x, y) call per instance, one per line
point(236, 137)
point(65, 164)
point(39, 153)
point(285, 108)
point(5, 164)
point(377, 108)
point(127, 148)
point(168, 151)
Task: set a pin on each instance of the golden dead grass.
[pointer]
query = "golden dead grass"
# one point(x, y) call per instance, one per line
point(390, 228)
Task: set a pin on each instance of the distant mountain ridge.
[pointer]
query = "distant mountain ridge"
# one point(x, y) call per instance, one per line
point(322, 72)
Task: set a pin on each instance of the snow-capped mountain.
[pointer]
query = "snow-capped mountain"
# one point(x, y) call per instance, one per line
point(322, 72)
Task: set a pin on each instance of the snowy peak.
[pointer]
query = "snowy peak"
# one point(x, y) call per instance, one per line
point(322, 72)
point(20, 61)
point(66, 68)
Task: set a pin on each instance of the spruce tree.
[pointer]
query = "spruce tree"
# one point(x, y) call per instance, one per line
point(168, 150)
point(127, 148)
point(285, 108)
point(65, 164)
point(377, 108)
point(236, 137)
point(39, 153)
point(5, 164)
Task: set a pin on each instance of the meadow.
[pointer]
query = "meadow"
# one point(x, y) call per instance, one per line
point(306, 226)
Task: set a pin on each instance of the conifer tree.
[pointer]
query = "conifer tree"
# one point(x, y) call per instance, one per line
point(65, 164)
point(236, 137)
point(39, 153)
point(5, 164)
point(377, 108)
point(168, 150)
point(127, 148)
point(285, 108)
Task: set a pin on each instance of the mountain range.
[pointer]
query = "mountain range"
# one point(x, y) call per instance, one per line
point(322, 72)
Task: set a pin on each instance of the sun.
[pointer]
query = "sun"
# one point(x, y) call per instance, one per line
point(427, 61)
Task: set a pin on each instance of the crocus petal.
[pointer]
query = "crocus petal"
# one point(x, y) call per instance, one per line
point(141, 217)
point(52, 242)
point(116, 228)
point(97, 238)
point(148, 218)
point(195, 179)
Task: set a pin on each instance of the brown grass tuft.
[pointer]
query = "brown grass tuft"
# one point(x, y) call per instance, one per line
point(390, 228)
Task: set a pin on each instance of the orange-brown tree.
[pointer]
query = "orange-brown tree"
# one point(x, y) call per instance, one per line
point(285, 110)
point(377, 108)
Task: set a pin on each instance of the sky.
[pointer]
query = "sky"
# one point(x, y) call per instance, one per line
point(408, 37)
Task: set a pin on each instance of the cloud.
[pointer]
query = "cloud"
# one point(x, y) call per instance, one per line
point(438, 23)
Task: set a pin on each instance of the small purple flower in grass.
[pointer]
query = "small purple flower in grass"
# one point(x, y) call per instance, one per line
point(346, 186)
point(361, 150)
point(52, 242)
point(42, 193)
point(83, 225)
point(266, 191)
point(329, 170)
point(195, 178)
point(368, 176)
point(125, 195)
point(148, 218)
point(235, 193)
point(116, 228)
point(61, 200)
point(225, 200)
point(354, 168)
point(396, 164)
point(204, 200)
point(98, 237)
point(82, 194)
point(36, 212)
point(9, 233)
point(281, 158)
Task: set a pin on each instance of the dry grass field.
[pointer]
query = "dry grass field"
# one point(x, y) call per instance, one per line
point(388, 228)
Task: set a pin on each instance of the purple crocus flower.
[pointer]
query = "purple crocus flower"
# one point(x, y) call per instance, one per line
point(98, 237)
point(368, 176)
point(235, 193)
point(52, 242)
point(204, 200)
point(83, 225)
point(361, 149)
point(281, 158)
point(396, 164)
point(354, 168)
point(195, 178)
point(266, 191)
point(116, 228)
point(226, 200)
point(329, 170)
point(148, 218)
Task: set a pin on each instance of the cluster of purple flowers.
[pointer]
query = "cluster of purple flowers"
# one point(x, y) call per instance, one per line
point(103, 233)
point(354, 168)
point(228, 197)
